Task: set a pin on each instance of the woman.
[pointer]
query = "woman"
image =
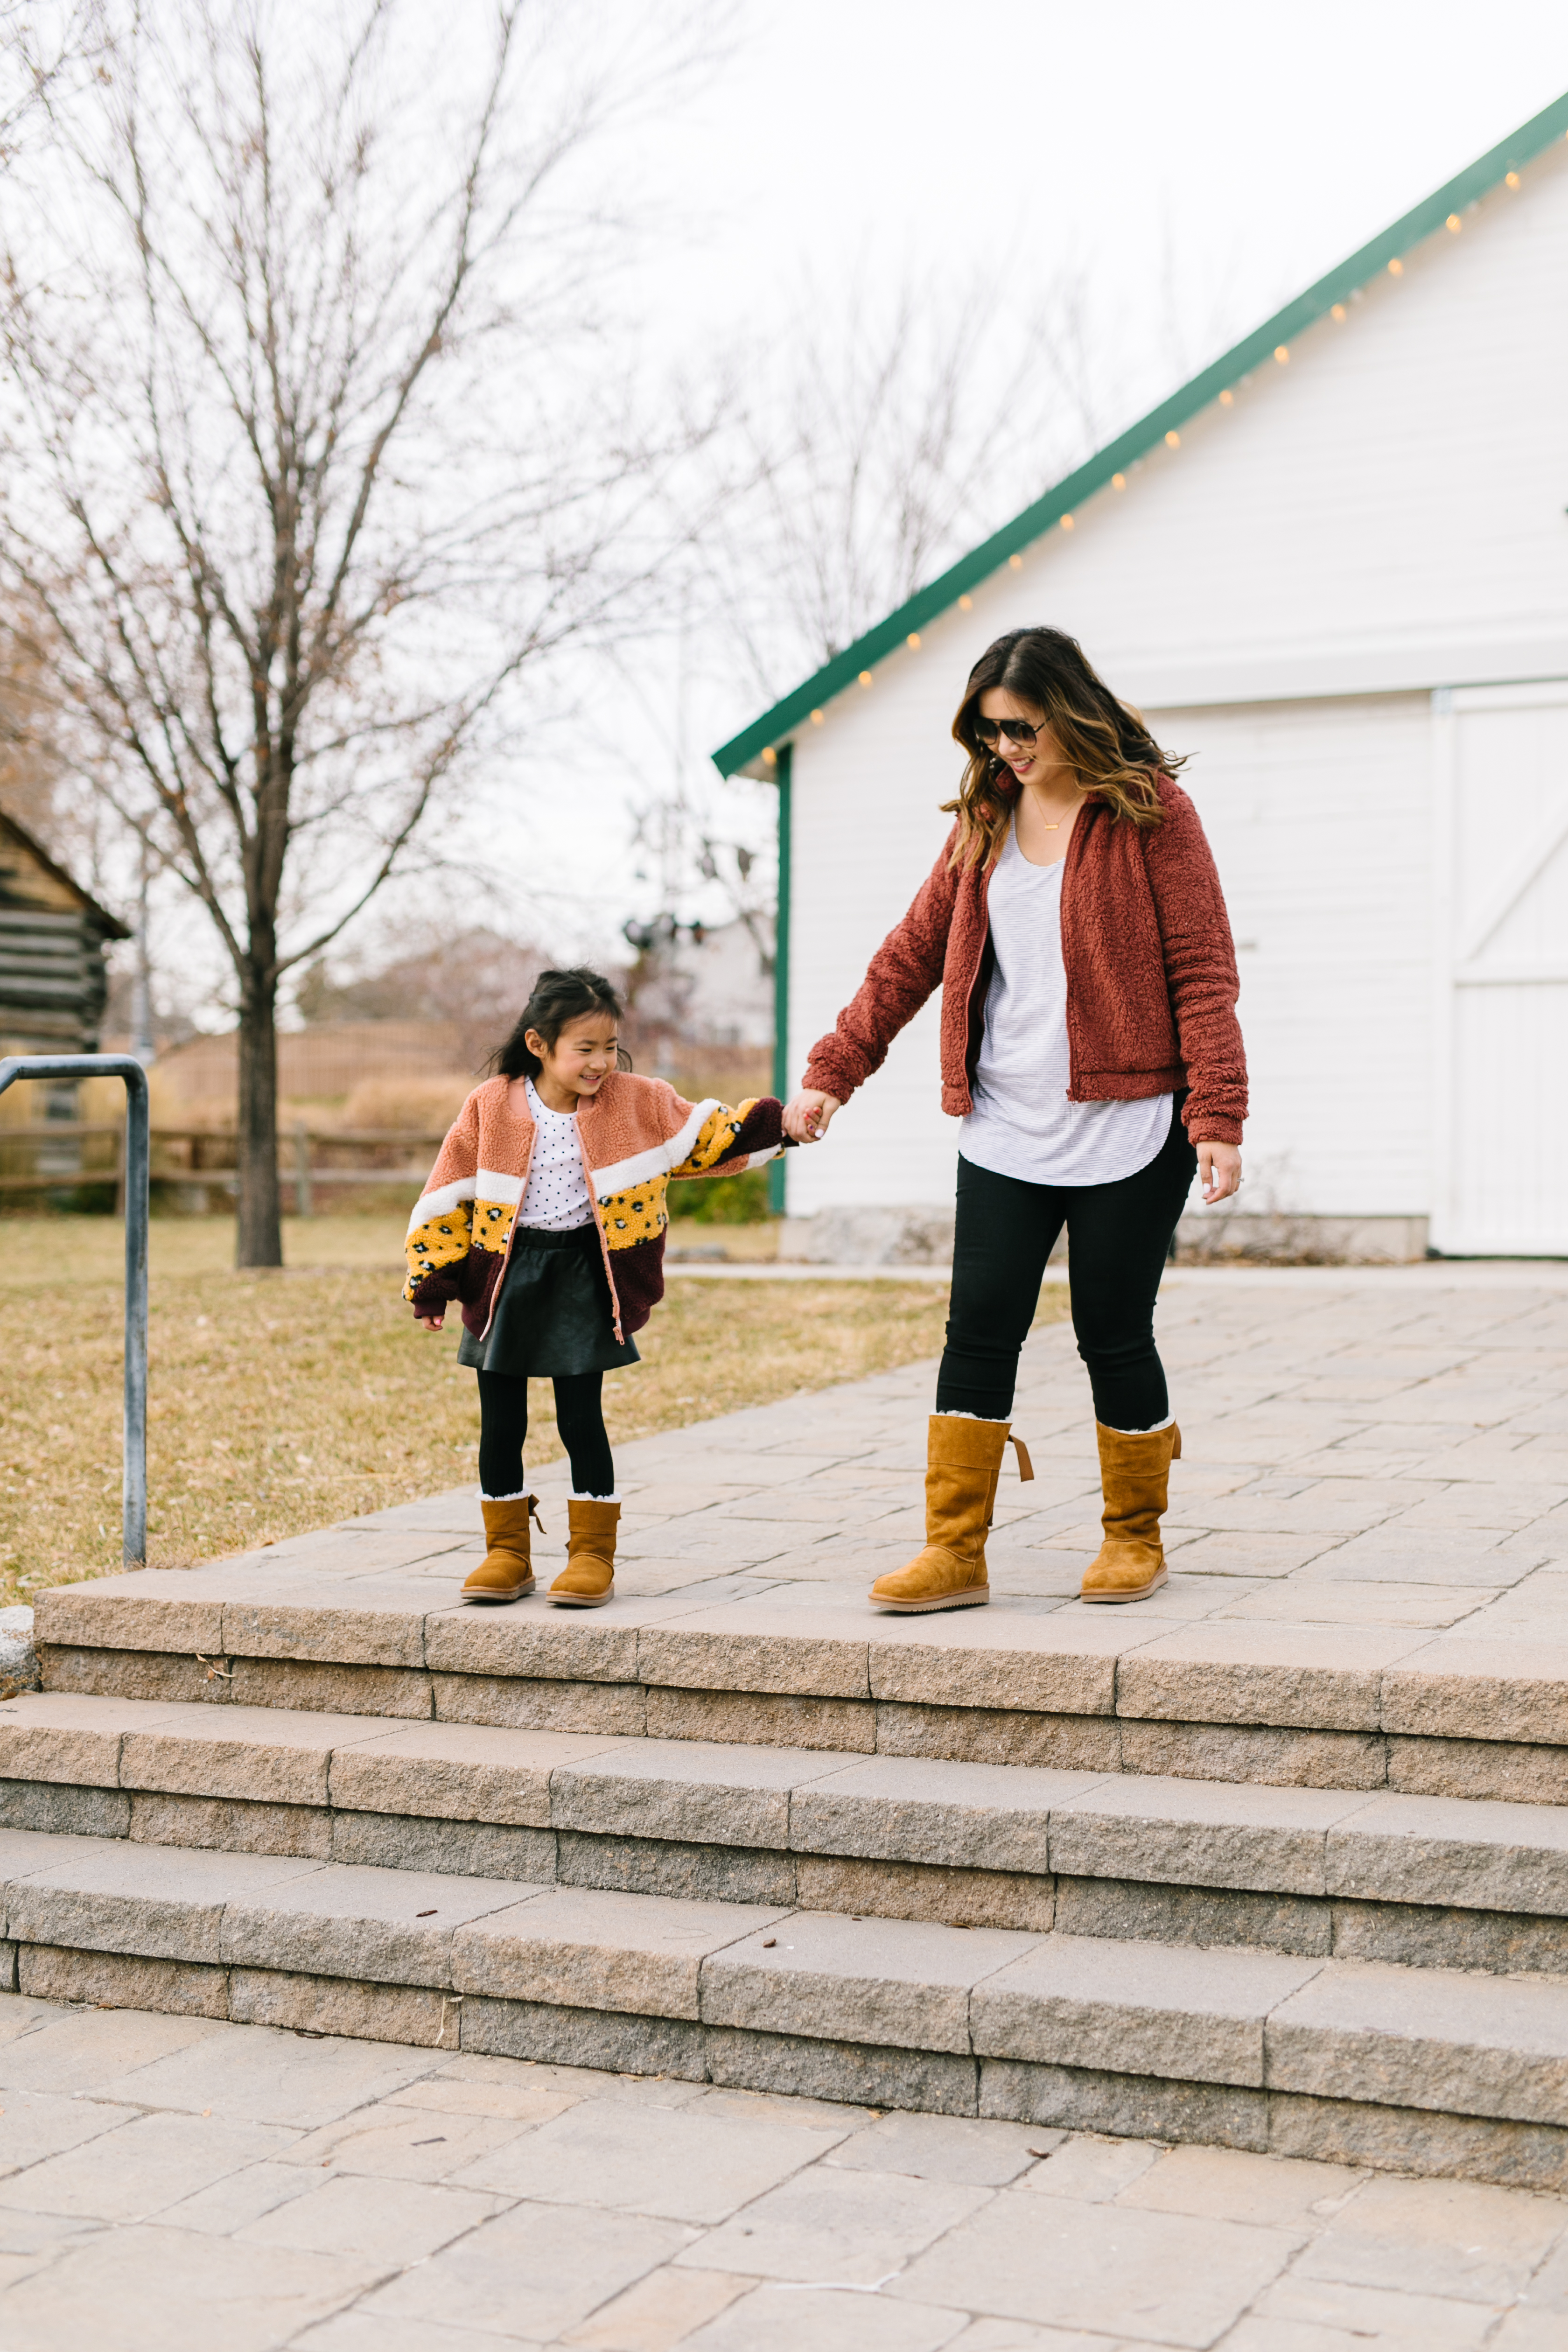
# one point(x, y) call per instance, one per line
point(1089, 1046)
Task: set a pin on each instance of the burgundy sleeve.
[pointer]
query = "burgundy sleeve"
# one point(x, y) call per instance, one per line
point(760, 1129)
point(905, 970)
point(1200, 970)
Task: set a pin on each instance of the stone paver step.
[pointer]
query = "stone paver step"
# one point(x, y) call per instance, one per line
point(367, 1623)
point(1421, 1881)
point(1421, 2070)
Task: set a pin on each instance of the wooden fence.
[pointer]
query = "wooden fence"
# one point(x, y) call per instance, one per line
point(197, 1164)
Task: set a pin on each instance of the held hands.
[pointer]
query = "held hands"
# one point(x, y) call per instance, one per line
point(1219, 1170)
point(806, 1119)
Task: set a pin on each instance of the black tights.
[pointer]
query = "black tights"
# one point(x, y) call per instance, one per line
point(578, 1417)
point(1118, 1237)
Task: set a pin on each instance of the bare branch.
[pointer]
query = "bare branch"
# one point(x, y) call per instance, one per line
point(303, 474)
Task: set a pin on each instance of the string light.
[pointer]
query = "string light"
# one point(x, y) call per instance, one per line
point(966, 604)
point(1227, 400)
point(1282, 353)
point(1119, 481)
point(1512, 180)
point(865, 677)
point(913, 641)
point(1338, 314)
point(769, 758)
point(817, 717)
point(1066, 523)
point(1397, 270)
point(1453, 223)
point(1172, 440)
point(1015, 563)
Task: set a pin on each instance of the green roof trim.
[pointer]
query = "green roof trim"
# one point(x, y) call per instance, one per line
point(1411, 228)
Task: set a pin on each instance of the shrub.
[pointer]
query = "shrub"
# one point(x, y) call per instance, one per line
point(721, 1200)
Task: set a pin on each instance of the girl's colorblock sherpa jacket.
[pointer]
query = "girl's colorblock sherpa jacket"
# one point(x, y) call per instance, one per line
point(1150, 972)
point(633, 1135)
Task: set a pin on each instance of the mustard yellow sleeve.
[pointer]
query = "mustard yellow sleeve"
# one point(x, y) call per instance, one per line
point(731, 1141)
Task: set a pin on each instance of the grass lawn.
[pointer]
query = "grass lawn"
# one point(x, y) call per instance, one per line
point(282, 1399)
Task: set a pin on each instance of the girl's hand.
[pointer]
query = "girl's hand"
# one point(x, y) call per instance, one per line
point(1219, 1170)
point(429, 1322)
point(806, 1118)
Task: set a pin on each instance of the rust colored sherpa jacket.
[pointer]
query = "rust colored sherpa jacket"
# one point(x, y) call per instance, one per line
point(633, 1135)
point(1150, 974)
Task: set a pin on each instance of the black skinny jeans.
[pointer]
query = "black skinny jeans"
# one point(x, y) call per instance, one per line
point(578, 1417)
point(1118, 1238)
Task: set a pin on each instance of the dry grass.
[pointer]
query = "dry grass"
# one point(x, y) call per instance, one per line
point(280, 1400)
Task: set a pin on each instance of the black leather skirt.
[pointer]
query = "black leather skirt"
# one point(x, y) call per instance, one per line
point(552, 1316)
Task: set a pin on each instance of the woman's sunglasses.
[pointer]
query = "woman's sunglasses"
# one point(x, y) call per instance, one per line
point(1017, 731)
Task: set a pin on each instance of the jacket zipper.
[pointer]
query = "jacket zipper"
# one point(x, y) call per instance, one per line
point(974, 979)
point(1073, 1095)
point(512, 1229)
point(603, 1239)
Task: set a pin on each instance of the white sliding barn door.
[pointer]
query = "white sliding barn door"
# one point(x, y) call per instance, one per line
point(1501, 967)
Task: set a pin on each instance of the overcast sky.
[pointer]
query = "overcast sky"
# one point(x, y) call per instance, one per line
point(1263, 140)
point(1203, 163)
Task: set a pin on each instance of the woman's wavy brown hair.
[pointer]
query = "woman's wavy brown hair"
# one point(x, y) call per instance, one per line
point(1111, 752)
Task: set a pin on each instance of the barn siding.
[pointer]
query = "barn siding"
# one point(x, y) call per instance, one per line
point(1317, 816)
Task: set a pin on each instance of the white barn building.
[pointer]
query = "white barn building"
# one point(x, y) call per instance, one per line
point(1333, 569)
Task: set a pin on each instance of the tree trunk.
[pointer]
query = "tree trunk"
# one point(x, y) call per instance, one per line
point(259, 1234)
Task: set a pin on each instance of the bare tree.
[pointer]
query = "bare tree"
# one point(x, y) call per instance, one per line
point(883, 433)
point(476, 977)
point(34, 58)
point(879, 432)
point(308, 473)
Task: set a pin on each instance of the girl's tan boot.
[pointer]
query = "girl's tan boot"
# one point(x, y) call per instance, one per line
point(588, 1578)
point(963, 1462)
point(1134, 1478)
point(506, 1572)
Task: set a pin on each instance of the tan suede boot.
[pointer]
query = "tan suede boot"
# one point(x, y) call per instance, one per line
point(506, 1572)
point(1134, 1476)
point(963, 1462)
point(588, 1578)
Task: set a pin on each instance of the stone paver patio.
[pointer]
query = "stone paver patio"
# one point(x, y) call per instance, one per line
point(1381, 1455)
point(1377, 1447)
point(172, 2184)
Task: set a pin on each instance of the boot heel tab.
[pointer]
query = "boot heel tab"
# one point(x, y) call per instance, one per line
point(1026, 1467)
point(534, 1515)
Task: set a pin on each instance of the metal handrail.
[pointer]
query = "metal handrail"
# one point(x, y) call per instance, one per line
point(138, 1160)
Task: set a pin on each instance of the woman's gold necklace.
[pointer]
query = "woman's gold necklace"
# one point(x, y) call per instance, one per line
point(1052, 829)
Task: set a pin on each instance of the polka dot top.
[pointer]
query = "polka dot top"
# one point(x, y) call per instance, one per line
point(557, 1195)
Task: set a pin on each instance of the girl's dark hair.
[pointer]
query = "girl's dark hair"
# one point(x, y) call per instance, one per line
point(558, 997)
point(1111, 752)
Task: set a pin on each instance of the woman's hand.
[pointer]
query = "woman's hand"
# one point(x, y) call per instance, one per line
point(1219, 1170)
point(429, 1322)
point(806, 1119)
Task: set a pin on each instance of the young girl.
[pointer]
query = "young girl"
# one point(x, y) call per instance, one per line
point(544, 1219)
